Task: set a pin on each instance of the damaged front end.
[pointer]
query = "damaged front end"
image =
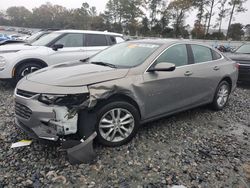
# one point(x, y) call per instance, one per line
point(52, 117)
point(48, 116)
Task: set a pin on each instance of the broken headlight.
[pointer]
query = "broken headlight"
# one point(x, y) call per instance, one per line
point(63, 100)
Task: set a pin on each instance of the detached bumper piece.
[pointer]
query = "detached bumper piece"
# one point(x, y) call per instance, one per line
point(82, 152)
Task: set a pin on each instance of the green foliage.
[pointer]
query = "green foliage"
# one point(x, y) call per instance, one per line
point(216, 36)
point(178, 10)
point(236, 31)
point(198, 31)
point(149, 18)
point(18, 16)
point(236, 7)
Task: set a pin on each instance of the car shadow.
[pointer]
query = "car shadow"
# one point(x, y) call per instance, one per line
point(7, 84)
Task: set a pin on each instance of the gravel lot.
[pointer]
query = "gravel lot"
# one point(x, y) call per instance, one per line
point(197, 148)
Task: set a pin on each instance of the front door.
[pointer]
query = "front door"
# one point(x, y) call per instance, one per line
point(72, 49)
point(168, 92)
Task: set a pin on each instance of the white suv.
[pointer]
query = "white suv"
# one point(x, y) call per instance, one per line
point(16, 61)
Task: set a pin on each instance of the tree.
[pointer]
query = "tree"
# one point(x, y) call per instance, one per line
point(198, 31)
point(18, 15)
point(222, 13)
point(201, 5)
point(236, 31)
point(247, 32)
point(3, 20)
point(144, 28)
point(216, 36)
point(212, 5)
point(178, 10)
point(49, 16)
point(153, 7)
point(123, 15)
point(236, 7)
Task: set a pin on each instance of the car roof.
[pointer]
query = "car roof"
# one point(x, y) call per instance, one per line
point(161, 41)
point(89, 32)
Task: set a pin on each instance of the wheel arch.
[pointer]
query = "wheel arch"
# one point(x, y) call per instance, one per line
point(229, 80)
point(41, 62)
point(87, 118)
point(119, 97)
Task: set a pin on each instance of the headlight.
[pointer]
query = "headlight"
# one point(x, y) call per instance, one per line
point(63, 100)
point(2, 62)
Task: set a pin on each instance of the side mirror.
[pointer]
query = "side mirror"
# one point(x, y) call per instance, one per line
point(162, 66)
point(57, 46)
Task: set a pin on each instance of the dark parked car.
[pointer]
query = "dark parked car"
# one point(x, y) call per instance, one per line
point(122, 87)
point(242, 57)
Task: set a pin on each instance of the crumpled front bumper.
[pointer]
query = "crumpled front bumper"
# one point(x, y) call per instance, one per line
point(42, 121)
point(38, 132)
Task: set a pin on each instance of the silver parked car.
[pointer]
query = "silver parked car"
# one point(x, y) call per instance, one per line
point(122, 87)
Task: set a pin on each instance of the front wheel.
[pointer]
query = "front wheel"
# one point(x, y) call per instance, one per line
point(221, 95)
point(117, 123)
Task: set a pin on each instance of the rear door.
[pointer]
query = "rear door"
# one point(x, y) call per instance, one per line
point(94, 43)
point(73, 44)
point(205, 72)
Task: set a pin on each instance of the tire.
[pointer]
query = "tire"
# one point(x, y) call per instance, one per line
point(221, 95)
point(115, 131)
point(25, 69)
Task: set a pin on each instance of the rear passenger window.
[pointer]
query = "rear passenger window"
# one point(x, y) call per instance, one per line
point(119, 39)
point(201, 53)
point(95, 40)
point(216, 55)
point(176, 55)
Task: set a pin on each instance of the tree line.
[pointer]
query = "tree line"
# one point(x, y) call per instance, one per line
point(158, 18)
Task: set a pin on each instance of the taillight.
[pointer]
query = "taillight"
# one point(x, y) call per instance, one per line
point(237, 65)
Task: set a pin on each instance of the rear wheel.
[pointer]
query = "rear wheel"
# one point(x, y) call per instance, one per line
point(117, 123)
point(221, 95)
point(25, 69)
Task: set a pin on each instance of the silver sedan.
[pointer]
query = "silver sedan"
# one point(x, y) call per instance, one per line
point(122, 87)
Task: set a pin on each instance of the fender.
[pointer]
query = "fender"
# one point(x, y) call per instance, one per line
point(27, 60)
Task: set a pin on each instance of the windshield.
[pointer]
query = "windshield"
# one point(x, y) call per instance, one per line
point(125, 54)
point(32, 38)
point(244, 49)
point(46, 39)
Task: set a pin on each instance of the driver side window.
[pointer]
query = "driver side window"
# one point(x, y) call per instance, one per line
point(176, 54)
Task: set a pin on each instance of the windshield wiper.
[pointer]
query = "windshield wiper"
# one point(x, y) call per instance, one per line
point(103, 64)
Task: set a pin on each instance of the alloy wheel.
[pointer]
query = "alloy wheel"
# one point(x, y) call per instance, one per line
point(28, 70)
point(222, 95)
point(116, 125)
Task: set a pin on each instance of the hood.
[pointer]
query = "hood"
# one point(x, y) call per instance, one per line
point(245, 58)
point(76, 74)
point(16, 47)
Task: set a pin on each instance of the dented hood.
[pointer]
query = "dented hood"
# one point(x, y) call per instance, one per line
point(76, 74)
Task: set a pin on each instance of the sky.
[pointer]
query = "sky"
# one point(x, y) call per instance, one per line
point(243, 18)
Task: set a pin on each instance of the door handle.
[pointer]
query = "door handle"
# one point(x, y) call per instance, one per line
point(188, 73)
point(216, 68)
